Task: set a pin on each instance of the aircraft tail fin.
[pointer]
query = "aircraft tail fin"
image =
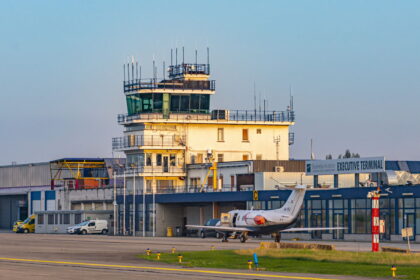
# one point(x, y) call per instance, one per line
point(294, 201)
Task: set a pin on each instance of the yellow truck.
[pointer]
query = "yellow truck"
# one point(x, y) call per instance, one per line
point(15, 225)
point(27, 225)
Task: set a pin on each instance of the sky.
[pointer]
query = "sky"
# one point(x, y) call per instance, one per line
point(353, 67)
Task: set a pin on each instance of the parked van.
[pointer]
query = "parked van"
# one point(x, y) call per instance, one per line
point(91, 226)
point(15, 225)
point(27, 225)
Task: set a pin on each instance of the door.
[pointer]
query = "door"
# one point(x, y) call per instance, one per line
point(316, 221)
point(91, 227)
point(234, 219)
point(410, 221)
point(338, 221)
point(165, 163)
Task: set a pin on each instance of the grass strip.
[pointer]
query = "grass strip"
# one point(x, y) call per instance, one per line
point(306, 262)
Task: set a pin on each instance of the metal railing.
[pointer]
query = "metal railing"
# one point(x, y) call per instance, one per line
point(189, 68)
point(139, 84)
point(141, 170)
point(222, 115)
point(134, 141)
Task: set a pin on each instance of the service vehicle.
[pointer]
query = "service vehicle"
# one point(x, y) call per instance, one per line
point(16, 224)
point(27, 226)
point(89, 227)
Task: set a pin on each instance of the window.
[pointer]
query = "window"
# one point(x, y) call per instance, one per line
point(56, 219)
point(220, 135)
point(245, 157)
point(148, 159)
point(50, 219)
point(40, 219)
point(245, 135)
point(77, 218)
point(259, 157)
point(192, 159)
point(66, 219)
point(159, 159)
point(258, 130)
point(232, 181)
point(173, 159)
point(219, 157)
point(199, 158)
point(92, 224)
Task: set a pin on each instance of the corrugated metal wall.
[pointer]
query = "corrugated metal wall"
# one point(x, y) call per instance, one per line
point(35, 174)
point(288, 165)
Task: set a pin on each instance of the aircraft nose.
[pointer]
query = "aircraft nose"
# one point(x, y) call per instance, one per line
point(259, 220)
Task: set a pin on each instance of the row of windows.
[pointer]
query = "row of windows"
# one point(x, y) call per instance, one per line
point(245, 134)
point(56, 219)
point(199, 158)
point(147, 103)
point(149, 159)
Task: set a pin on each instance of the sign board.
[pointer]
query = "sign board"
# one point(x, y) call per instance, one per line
point(255, 195)
point(345, 166)
point(407, 232)
point(381, 226)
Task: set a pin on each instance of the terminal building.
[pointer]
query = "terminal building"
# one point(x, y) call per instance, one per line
point(186, 162)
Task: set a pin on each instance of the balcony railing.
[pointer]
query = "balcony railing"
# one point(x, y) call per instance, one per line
point(134, 141)
point(189, 69)
point(220, 115)
point(137, 84)
point(146, 170)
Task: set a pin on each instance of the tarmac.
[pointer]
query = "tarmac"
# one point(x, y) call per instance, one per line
point(56, 256)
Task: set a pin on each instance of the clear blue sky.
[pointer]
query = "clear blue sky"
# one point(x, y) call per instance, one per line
point(354, 67)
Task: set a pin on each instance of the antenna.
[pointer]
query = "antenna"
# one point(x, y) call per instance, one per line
point(137, 70)
point(208, 60)
point(171, 58)
point(154, 68)
point(124, 71)
point(312, 154)
point(255, 102)
point(163, 70)
point(183, 55)
point(196, 57)
point(132, 68)
point(140, 72)
point(176, 56)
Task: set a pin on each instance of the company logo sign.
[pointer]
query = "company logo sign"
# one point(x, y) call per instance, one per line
point(345, 166)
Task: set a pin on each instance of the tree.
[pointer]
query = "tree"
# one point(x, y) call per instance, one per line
point(348, 154)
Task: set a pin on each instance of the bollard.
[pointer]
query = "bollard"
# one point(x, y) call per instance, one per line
point(148, 251)
point(212, 247)
point(179, 258)
point(158, 256)
point(249, 264)
point(173, 250)
point(394, 273)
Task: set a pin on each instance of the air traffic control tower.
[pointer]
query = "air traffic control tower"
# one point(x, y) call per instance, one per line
point(169, 124)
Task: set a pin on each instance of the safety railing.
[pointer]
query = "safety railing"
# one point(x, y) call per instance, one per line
point(135, 141)
point(141, 84)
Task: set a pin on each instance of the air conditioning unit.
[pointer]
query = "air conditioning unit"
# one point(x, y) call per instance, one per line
point(279, 168)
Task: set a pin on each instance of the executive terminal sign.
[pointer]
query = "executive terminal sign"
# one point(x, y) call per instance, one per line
point(345, 166)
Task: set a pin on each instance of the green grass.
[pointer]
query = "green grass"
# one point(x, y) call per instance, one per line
point(300, 261)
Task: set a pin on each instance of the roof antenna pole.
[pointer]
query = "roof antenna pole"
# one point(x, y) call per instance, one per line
point(255, 102)
point(171, 58)
point(208, 59)
point(176, 56)
point(163, 70)
point(183, 61)
point(137, 70)
point(196, 58)
point(140, 73)
point(124, 71)
point(132, 68)
point(154, 69)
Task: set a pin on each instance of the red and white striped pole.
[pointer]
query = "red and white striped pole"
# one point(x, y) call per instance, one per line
point(374, 195)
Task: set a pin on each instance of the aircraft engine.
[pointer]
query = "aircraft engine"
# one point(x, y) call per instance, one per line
point(259, 220)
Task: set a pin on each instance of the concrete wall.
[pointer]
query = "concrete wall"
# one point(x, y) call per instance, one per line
point(168, 216)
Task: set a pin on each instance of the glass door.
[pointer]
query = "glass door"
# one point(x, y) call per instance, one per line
point(165, 163)
point(316, 221)
point(410, 221)
point(338, 221)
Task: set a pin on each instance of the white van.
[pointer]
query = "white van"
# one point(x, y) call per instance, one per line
point(92, 226)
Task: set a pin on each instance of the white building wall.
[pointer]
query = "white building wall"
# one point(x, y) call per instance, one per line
point(202, 137)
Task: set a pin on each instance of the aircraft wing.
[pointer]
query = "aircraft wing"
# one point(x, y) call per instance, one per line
point(311, 229)
point(220, 228)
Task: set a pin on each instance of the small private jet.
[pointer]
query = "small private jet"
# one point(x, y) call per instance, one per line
point(258, 222)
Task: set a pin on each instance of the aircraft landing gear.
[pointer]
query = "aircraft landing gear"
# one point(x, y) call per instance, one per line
point(243, 238)
point(225, 237)
point(277, 237)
